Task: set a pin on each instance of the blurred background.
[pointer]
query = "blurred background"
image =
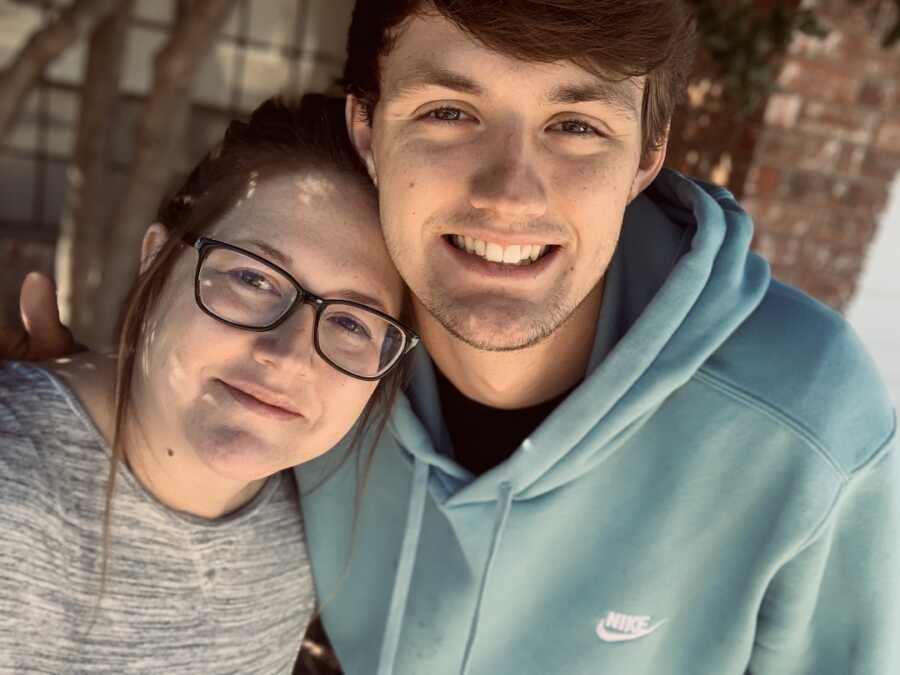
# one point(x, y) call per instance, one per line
point(105, 104)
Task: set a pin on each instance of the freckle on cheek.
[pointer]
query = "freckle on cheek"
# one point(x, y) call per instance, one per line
point(171, 452)
point(412, 184)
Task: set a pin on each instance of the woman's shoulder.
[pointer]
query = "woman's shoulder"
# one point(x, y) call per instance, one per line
point(32, 522)
point(24, 389)
point(55, 396)
point(28, 487)
point(29, 398)
point(44, 434)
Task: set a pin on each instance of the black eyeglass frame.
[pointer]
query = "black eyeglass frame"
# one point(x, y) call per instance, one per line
point(205, 245)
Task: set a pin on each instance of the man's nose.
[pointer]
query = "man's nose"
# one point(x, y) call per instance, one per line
point(509, 182)
point(290, 345)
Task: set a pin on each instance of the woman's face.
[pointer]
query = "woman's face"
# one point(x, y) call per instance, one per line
point(248, 404)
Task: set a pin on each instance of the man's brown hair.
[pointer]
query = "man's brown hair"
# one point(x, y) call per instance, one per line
point(608, 38)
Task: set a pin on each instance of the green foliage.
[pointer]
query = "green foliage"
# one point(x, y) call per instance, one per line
point(745, 40)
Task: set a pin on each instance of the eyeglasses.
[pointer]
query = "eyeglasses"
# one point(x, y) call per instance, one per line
point(244, 290)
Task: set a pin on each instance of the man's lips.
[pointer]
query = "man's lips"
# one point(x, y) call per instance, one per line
point(262, 401)
point(498, 270)
point(511, 254)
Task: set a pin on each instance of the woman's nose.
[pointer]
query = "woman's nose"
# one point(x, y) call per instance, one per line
point(290, 345)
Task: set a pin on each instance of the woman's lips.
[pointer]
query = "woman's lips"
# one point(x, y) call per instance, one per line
point(260, 401)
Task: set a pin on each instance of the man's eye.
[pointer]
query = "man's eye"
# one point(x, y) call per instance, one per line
point(577, 128)
point(446, 114)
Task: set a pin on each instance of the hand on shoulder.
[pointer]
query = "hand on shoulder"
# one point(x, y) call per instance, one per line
point(43, 336)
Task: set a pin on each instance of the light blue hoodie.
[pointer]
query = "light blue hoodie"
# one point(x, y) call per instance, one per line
point(719, 496)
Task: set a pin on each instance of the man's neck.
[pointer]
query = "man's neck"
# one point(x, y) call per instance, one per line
point(521, 378)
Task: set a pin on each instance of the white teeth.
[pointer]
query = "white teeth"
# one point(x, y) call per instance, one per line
point(512, 254)
point(515, 254)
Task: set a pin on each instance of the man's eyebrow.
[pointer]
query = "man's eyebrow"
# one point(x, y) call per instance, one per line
point(424, 74)
point(612, 94)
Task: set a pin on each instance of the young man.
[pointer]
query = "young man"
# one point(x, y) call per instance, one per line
point(627, 449)
point(630, 451)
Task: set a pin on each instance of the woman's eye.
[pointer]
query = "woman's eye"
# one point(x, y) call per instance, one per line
point(253, 279)
point(577, 128)
point(351, 325)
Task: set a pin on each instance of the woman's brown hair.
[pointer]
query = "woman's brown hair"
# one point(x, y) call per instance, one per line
point(608, 38)
point(280, 136)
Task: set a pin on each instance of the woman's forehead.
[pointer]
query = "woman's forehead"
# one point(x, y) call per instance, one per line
point(305, 188)
point(306, 205)
point(319, 222)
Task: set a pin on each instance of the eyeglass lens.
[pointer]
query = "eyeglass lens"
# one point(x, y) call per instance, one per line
point(245, 291)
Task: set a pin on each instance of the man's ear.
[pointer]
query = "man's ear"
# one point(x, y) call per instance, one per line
point(360, 130)
point(154, 238)
point(651, 164)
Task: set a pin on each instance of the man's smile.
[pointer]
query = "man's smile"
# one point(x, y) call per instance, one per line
point(512, 254)
point(514, 262)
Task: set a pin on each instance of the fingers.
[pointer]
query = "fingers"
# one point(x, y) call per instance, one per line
point(13, 343)
point(47, 338)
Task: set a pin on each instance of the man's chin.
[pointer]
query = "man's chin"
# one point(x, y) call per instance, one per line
point(498, 326)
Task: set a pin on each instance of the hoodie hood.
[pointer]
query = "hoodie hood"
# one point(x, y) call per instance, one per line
point(682, 280)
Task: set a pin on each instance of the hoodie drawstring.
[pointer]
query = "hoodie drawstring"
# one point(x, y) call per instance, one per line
point(402, 580)
point(504, 503)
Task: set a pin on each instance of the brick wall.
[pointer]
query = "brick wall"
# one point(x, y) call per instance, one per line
point(826, 154)
point(710, 139)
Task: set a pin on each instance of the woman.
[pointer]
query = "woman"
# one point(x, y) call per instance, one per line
point(148, 524)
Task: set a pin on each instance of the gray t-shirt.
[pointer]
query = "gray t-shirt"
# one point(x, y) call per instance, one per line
point(183, 595)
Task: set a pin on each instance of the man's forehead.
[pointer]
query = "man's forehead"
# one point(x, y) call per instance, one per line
point(429, 50)
point(573, 87)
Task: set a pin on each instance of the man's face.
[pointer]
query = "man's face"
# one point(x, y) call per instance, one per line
point(502, 182)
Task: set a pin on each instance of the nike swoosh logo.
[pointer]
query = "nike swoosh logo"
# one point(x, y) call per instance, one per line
point(609, 636)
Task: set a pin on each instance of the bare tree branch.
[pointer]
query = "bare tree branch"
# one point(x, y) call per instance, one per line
point(80, 249)
point(161, 132)
point(74, 22)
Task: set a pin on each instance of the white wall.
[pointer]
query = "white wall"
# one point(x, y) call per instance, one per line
point(875, 311)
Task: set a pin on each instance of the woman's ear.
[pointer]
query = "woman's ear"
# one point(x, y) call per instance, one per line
point(154, 238)
point(359, 126)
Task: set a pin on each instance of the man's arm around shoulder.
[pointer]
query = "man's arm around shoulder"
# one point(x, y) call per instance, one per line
point(43, 336)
